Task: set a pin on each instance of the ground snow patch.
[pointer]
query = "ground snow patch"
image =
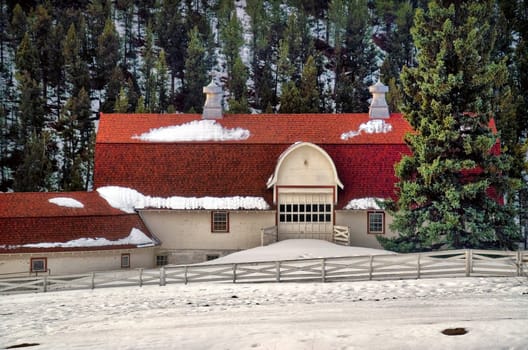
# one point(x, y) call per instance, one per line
point(363, 203)
point(128, 200)
point(136, 237)
point(376, 126)
point(293, 249)
point(66, 202)
point(196, 130)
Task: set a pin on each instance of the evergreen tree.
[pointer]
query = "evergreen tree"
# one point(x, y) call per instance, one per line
point(291, 100)
point(115, 83)
point(172, 36)
point(445, 199)
point(147, 69)
point(27, 61)
point(107, 54)
point(195, 73)
point(162, 77)
point(41, 30)
point(34, 172)
point(354, 55)
point(121, 103)
point(77, 72)
point(309, 89)
point(18, 26)
point(32, 114)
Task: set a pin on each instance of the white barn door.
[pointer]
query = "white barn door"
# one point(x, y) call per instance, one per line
point(305, 214)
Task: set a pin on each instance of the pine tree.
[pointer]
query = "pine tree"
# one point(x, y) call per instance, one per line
point(309, 89)
point(18, 26)
point(291, 100)
point(147, 69)
point(107, 54)
point(451, 187)
point(77, 72)
point(121, 103)
point(172, 36)
point(75, 131)
point(27, 61)
point(195, 72)
point(162, 77)
point(34, 172)
point(354, 55)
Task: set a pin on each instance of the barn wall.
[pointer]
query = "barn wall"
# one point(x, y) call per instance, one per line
point(63, 263)
point(357, 221)
point(186, 236)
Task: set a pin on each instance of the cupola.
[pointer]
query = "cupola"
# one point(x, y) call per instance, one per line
point(213, 101)
point(378, 106)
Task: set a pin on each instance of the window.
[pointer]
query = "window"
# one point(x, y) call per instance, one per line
point(125, 260)
point(162, 260)
point(219, 221)
point(210, 257)
point(376, 222)
point(39, 264)
point(305, 213)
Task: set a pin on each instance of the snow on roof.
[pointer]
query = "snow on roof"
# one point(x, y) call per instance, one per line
point(363, 203)
point(376, 126)
point(127, 200)
point(66, 202)
point(292, 249)
point(136, 237)
point(196, 130)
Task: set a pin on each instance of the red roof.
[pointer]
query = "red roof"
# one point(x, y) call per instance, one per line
point(263, 128)
point(365, 163)
point(29, 218)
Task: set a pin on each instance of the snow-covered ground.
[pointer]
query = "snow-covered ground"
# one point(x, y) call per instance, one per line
point(347, 315)
point(293, 249)
point(405, 314)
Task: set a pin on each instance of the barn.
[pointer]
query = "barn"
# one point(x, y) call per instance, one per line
point(199, 186)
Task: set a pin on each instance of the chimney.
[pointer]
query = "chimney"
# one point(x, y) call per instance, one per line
point(378, 105)
point(213, 101)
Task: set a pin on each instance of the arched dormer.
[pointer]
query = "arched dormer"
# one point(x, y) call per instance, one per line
point(304, 165)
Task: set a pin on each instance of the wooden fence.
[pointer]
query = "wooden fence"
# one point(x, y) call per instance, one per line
point(454, 263)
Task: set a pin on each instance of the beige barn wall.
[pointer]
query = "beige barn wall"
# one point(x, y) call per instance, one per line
point(356, 220)
point(64, 263)
point(186, 236)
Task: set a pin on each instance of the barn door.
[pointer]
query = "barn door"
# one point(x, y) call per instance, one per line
point(305, 215)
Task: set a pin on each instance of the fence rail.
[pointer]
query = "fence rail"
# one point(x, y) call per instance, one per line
point(453, 263)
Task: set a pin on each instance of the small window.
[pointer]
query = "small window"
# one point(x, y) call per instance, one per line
point(219, 221)
point(162, 260)
point(125, 260)
point(376, 222)
point(39, 264)
point(210, 257)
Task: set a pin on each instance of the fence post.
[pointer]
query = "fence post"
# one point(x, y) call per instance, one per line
point(371, 266)
point(141, 277)
point(277, 271)
point(234, 273)
point(323, 270)
point(162, 276)
point(418, 267)
point(469, 262)
point(185, 278)
point(93, 280)
point(519, 263)
point(45, 284)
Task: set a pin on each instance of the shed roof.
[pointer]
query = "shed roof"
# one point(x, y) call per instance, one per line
point(29, 222)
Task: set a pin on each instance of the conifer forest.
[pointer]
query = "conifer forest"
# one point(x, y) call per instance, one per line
point(62, 63)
